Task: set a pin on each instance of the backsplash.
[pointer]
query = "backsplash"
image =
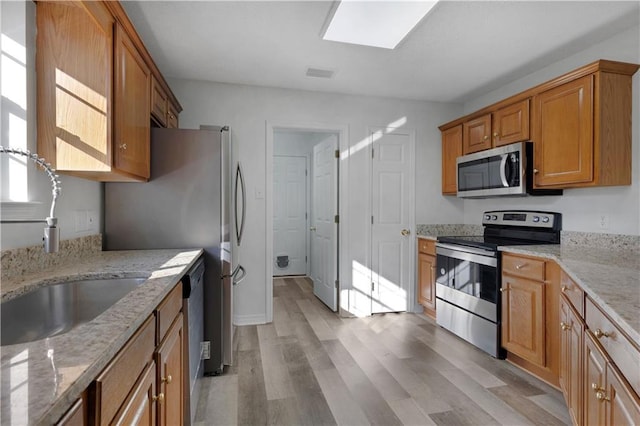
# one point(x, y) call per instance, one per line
point(601, 241)
point(20, 261)
point(448, 229)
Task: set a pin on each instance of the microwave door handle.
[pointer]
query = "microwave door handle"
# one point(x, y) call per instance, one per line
point(503, 174)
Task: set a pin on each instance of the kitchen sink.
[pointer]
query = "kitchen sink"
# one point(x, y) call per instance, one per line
point(58, 308)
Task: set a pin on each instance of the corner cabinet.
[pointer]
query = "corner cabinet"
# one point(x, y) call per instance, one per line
point(427, 276)
point(93, 86)
point(530, 298)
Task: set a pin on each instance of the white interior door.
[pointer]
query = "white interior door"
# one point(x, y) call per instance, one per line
point(289, 215)
point(392, 189)
point(324, 230)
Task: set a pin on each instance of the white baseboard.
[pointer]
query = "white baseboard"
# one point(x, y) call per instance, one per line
point(249, 319)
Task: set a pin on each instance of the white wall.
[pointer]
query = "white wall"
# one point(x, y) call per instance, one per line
point(247, 109)
point(581, 208)
point(18, 23)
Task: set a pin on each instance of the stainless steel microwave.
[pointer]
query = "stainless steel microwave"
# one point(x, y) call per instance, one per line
point(506, 170)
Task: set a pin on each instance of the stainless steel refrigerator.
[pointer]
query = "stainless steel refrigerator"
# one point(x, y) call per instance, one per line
point(194, 199)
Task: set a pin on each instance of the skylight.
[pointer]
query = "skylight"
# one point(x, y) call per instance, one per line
point(375, 23)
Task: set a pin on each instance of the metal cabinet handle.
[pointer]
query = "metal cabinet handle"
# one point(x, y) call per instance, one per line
point(601, 396)
point(167, 379)
point(564, 288)
point(599, 333)
point(535, 171)
point(159, 398)
point(520, 266)
point(565, 326)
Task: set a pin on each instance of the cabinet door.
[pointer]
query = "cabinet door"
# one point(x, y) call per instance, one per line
point(172, 120)
point(140, 408)
point(427, 281)
point(523, 318)
point(511, 124)
point(594, 382)
point(572, 332)
point(563, 134)
point(451, 150)
point(624, 404)
point(74, 85)
point(476, 134)
point(132, 127)
point(169, 358)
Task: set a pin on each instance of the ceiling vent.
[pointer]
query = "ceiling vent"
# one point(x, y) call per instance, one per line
point(320, 73)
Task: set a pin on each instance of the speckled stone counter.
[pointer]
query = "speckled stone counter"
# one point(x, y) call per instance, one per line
point(608, 276)
point(440, 230)
point(41, 380)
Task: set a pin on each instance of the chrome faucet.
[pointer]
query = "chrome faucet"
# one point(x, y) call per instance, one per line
point(51, 231)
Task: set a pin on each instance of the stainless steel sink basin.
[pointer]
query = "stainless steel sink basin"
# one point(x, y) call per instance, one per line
point(56, 309)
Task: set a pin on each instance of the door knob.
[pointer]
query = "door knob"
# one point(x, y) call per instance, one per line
point(313, 228)
point(405, 232)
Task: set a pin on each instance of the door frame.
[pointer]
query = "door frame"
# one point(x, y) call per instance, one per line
point(343, 145)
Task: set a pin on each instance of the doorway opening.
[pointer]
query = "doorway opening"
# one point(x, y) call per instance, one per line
point(305, 208)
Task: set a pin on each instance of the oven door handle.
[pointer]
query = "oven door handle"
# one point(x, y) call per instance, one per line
point(483, 257)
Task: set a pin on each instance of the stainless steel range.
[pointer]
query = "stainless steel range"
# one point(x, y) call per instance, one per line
point(468, 273)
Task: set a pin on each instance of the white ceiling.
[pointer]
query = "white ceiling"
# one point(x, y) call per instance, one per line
point(460, 50)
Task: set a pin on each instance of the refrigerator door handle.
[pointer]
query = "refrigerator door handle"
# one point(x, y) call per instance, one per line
point(236, 279)
point(240, 181)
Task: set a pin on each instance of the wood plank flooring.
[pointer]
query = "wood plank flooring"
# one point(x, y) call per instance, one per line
point(311, 367)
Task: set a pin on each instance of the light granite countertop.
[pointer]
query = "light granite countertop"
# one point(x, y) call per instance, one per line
point(608, 270)
point(611, 278)
point(42, 379)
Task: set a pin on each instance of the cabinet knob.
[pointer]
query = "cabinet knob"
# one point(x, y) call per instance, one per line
point(502, 290)
point(535, 171)
point(485, 138)
point(159, 398)
point(565, 326)
point(564, 288)
point(495, 135)
point(167, 379)
point(123, 146)
point(601, 395)
point(599, 333)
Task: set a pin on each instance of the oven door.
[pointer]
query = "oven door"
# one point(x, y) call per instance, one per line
point(493, 172)
point(467, 277)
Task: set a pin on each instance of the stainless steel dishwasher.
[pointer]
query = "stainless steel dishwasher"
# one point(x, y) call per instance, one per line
point(193, 310)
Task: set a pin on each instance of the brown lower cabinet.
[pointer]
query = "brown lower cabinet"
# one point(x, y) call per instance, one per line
point(571, 349)
point(143, 384)
point(427, 276)
point(608, 399)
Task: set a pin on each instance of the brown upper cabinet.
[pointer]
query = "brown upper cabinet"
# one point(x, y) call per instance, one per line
point(580, 125)
point(451, 150)
point(94, 81)
point(504, 126)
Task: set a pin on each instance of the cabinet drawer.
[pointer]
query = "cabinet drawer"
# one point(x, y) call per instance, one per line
point(168, 309)
point(115, 382)
point(573, 293)
point(622, 352)
point(427, 246)
point(527, 267)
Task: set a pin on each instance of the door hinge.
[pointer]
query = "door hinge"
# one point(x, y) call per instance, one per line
point(306, 173)
point(305, 259)
point(306, 216)
point(337, 153)
point(336, 218)
point(337, 284)
point(372, 150)
point(372, 219)
point(373, 287)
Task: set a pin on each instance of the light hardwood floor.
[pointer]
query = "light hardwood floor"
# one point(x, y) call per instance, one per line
point(312, 367)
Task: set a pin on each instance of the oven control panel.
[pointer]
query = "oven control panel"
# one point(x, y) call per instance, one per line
point(537, 219)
